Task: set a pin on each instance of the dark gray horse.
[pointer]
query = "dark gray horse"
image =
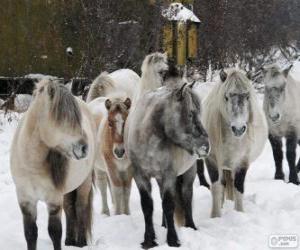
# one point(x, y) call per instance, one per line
point(165, 138)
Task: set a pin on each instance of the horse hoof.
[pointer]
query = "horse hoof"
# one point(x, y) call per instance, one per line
point(205, 185)
point(191, 226)
point(296, 182)
point(174, 244)
point(81, 243)
point(149, 244)
point(70, 242)
point(279, 176)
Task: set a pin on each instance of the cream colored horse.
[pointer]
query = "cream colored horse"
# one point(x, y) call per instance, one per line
point(237, 130)
point(109, 100)
point(52, 158)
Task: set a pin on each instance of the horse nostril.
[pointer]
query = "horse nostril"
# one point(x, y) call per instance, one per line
point(243, 129)
point(84, 149)
point(233, 128)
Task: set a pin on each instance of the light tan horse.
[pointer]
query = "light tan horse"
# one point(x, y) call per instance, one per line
point(111, 158)
point(110, 113)
point(237, 130)
point(52, 158)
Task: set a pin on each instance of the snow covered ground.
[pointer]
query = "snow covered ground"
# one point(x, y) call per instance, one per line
point(271, 207)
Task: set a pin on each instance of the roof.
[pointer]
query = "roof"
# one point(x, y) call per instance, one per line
point(178, 12)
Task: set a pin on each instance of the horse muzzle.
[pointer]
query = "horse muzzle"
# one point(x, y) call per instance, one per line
point(203, 151)
point(238, 131)
point(119, 152)
point(275, 118)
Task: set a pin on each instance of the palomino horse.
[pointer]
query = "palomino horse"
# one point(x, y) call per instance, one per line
point(110, 114)
point(165, 137)
point(111, 157)
point(52, 158)
point(237, 130)
point(281, 102)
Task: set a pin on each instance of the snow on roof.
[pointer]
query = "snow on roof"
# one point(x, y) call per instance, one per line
point(177, 12)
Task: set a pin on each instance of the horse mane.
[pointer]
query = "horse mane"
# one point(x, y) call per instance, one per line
point(100, 86)
point(214, 104)
point(64, 107)
point(57, 164)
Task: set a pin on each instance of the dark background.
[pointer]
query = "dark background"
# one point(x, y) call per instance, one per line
point(112, 34)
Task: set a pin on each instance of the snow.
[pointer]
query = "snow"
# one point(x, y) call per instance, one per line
point(177, 12)
point(271, 207)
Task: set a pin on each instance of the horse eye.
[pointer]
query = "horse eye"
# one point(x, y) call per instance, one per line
point(226, 98)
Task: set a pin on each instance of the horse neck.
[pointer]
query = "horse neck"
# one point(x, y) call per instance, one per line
point(149, 81)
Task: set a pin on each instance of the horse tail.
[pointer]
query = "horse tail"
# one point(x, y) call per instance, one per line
point(99, 86)
point(228, 182)
point(179, 209)
point(89, 212)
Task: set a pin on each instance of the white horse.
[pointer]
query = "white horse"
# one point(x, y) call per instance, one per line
point(281, 102)
point(237, 130)
point(52, 159)
point(153, 69)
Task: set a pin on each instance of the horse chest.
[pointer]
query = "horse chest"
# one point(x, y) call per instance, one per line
point(233, 152)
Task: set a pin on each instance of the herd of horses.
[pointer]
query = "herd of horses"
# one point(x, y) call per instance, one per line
point(153, 126)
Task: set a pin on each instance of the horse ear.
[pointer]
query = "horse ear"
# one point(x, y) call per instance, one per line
point(192, 85)
point(263, 69)
point(179, 93)
point(223, 75)
point(108, 104)
point(287, 70)
point(249, 75)
point(127, 103)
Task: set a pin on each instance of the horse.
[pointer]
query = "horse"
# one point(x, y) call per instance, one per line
point(111, 158)
point(281, 100)
point(165, 137)
point(122, 80)
point(237, 130)
point(52, 158)
point(109, 100)
point(154, 68)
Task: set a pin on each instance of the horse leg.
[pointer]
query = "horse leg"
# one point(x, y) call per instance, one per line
point(216, 188)
point(29, 212)
point(276, 144)
point(84, 212)
point(102, 182)
point(54, 224)
point(127, 190)
point(168, 203)
point(298, 164)
point(291, 145)
point(118, 196)
point(144, 187)
point(239, 180)
point(71, 220)
point(163, 221)
point(187, 196)
point(200, 172)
